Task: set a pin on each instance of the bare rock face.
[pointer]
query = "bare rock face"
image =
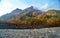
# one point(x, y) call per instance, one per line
point(30, 33)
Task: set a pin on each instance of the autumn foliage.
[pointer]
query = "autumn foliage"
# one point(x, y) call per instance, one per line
point(48, 19)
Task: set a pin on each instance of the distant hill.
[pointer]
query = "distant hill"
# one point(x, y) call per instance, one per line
point(57, 12)
point(54, 12)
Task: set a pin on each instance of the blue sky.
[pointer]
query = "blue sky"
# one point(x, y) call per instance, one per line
point(6, 6)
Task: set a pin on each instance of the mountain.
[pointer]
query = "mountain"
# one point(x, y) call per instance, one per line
point(30, 18)
point(11, 14)
point(32, 9)
point(30, 12)
point(22, 14)
point(27, 13)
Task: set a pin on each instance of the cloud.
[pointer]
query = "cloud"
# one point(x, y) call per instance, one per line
point(44, 7)
point(5, 7)
point(47, 6)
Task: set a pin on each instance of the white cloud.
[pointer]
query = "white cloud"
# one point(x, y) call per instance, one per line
point(44, 7)
point(5, 7)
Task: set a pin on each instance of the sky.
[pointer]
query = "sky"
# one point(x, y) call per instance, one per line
point(6, 6)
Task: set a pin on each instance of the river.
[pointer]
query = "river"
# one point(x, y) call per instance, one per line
point(30, 33)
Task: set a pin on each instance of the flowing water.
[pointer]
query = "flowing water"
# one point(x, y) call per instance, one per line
point(30, 33)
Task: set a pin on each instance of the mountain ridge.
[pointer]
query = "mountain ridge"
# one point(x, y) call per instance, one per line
point(19, 12)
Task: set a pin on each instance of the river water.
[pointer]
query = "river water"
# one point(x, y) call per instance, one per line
point(30, 33)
